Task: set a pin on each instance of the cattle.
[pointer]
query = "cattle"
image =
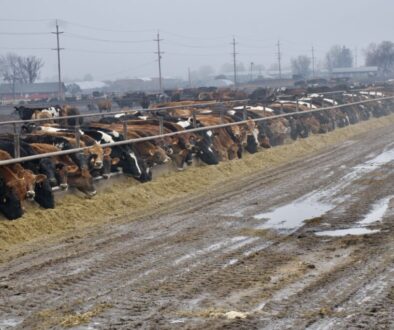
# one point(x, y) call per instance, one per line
point(78, 175)
point(40, 167)
point(26, 113)
point(10, 205)
point(60, 162)
point(104, 105)
point(124, 155)
point(150, 152)
point(23, 182)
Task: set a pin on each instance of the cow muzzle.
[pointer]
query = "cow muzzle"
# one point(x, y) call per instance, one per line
point(30, 194)
point(63, 186)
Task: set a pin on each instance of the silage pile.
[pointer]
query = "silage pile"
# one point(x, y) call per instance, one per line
point(129, 199)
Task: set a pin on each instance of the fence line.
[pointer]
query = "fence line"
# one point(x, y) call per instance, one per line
point(193, 130)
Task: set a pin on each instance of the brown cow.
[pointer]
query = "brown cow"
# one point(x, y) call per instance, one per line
point(104, 105)
point(20, 180)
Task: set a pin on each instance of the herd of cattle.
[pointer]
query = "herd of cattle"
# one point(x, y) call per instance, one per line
point(34, 180)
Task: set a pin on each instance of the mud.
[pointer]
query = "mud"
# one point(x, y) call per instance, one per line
point(187, 251)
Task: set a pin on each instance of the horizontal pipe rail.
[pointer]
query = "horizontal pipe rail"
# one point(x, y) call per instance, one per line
point(98, 114)
point(193, 130)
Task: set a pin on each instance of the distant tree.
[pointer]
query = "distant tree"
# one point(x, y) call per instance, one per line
point(382, 56)
point(73, 88)
point(15, 68)
point(301, 65)
point(339, 57)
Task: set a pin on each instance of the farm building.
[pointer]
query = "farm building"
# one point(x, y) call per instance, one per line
point(29, 92)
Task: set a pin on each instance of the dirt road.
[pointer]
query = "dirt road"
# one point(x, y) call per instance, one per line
point(267, 252)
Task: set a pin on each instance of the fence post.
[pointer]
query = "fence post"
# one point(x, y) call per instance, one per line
point(221, 116)
point(161, 129)
point(17, 147)
point(125, 129)
point(244, 113)
point(77, 136)
point(194, 119)
point(297, 106)
point(281, 107)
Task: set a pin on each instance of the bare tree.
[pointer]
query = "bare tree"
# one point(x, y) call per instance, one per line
point(339, 57)
point(382, 56)
point(15, 68)
point(301, 65)
point(31, 66)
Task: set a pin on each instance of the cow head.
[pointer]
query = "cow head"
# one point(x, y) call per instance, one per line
point(204, 148)
point(81, 180)
point(47, 167)
point(10, 204)
point(61, 175)
point(44, 195)
point(95, 154)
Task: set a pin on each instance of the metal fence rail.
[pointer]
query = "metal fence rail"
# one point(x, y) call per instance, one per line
point(193, 130)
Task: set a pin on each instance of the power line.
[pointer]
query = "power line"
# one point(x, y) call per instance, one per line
point(24, 33)
point(83, 37)
point(58, 49)
point(96, 28)
point(159, 57)
point(90, 51)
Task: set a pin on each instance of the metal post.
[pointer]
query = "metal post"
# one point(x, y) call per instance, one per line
point(297, 106)
point(244, 113)
point(281, 107)
point(125, 129)
point(77, 136)
point(221, 116)
point(194, 119)
point(17, 149)
point(161, 129)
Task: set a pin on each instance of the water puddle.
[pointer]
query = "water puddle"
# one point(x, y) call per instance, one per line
point(378, 211)
point(350, 231)
point(315, 204)
point(375, 215)
point(292, 216)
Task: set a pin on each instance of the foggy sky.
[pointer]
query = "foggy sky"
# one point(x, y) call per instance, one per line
point(195, 32)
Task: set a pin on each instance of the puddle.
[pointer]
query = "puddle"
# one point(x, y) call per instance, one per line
point(292, 216)
point(350, 231)
point(9, 323)
point(376, 214)
point(378, 211)
point(315, 204)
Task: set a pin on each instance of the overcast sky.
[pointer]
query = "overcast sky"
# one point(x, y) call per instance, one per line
point(114, 38)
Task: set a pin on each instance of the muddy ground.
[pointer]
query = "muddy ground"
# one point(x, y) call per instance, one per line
point(255, 253)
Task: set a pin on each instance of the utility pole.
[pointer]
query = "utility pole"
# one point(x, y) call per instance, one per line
point(313, 62)
point(235, 61)
point(189, 76)
point(251, 71)
point(279, 60)
point(159, 53)
point(58, 49)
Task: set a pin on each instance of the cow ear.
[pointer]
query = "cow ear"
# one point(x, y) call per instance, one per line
point(72, 169)
point(40, 178)
point(115, 161)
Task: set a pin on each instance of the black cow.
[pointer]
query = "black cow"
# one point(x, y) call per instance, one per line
point(127, 158)
point(10, 205)
point(26, 113)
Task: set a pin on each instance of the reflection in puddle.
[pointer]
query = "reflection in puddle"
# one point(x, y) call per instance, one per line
point(349, 231)
point(292, 216)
